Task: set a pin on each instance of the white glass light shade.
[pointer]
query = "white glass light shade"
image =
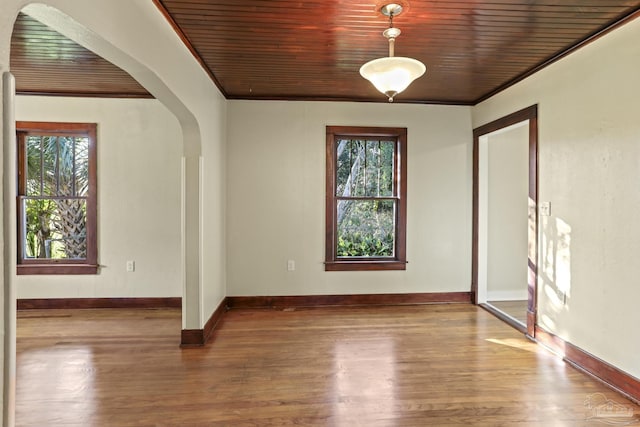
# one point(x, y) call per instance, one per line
point(393, 74)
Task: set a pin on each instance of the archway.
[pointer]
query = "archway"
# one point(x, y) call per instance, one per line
point(62, 22)
point(63, 19)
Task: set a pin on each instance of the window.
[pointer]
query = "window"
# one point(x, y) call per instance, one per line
point(56, 198)
point(366, 200)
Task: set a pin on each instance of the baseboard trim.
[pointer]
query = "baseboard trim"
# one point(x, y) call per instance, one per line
point(613, 377)
point(199, 337)
point(347, 300)
point(84, 303)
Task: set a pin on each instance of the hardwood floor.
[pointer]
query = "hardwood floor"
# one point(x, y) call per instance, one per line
point(516, 309)
point(430, 365)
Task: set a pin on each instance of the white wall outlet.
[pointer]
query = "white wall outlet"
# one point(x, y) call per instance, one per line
point(131, 266)
point(291, 265)
point(545, 208)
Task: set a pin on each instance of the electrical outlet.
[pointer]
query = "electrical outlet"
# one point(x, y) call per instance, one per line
point(131, 266)
point(291, 265)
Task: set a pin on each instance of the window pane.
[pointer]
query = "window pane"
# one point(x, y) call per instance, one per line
point(55, 228)
point(343, 168)
point(358, 160)
point(82, 166)
point(365, 228)
point(66, 154)
point(350, 168)
point(379, 168)
point(34, 165)
point(372, 168)
point(50, 160)
point(387, 160)
point(364, 168)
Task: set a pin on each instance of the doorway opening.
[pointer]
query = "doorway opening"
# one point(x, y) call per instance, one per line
point(505, 222)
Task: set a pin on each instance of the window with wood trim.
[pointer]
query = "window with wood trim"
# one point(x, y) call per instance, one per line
point(366, 198)
point(56, 203)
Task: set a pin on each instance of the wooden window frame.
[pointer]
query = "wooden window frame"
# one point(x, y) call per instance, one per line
point(399, 261)
point(89, 265)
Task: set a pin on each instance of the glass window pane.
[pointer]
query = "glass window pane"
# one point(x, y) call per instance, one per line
point(66, 154)
point(365, 228)
point(343, 168)
point(34, 165)
point(82, 166)
point(50, 160)
point(38, 222)
point(358, 163)
point(356, 168)
point(387, 160)
point(379, 168)
point(372, 168)
point(54, 228)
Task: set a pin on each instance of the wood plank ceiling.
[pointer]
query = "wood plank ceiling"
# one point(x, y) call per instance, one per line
point(44, 62)
point(312, 49)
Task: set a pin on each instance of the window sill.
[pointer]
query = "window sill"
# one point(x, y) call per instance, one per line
point(364, 265)
point(26, 269)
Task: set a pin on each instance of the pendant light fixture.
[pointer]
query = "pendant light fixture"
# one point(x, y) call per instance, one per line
point(392, 74)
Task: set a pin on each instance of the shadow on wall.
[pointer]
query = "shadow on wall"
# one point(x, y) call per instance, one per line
point(555, 271)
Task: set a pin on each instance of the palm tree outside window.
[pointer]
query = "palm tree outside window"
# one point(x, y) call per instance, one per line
point(56, 198)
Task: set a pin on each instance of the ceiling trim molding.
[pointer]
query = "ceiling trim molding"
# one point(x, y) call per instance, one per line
point(345, 99)
point(85, 94)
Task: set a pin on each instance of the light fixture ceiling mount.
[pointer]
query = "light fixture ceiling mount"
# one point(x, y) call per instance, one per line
point(392, 74)
point(391, 9)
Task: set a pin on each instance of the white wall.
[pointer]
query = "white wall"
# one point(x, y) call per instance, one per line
point(589, 170)
point(139, 158)
point(508, 194)
point(276, 198)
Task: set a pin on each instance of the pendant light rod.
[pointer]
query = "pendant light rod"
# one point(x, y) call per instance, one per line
point(391, 34)
point(391, 10)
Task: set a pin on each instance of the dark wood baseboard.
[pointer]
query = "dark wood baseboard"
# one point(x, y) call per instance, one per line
point(618, 380)
point(199, 337)
point(347, 300)
point(84, 303)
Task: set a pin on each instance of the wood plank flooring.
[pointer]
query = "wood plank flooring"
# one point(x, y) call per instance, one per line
point(431, 365)
point(516, 309)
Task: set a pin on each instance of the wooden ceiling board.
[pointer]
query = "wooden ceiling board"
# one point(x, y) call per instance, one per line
point(286, 49)
point(313, 50)
point(45, 62)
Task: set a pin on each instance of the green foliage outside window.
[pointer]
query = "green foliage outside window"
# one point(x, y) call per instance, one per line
point(55, 201)
point(366, 208)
